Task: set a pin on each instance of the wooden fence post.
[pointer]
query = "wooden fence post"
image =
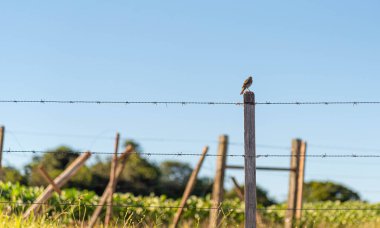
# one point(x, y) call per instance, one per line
point(250, 160)
point(112, 181)
point(301, 179)
point(218, 190)
point(293, 185)
point(59, 181)
point(122, 160)
point(189, 187)
point(2, 132)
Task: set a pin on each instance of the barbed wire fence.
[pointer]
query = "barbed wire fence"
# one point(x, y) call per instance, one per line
point(183, 154)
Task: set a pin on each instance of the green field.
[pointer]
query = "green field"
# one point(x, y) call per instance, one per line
point(73, 208)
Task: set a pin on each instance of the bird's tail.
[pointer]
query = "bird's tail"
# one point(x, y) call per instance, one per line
point(242, 91)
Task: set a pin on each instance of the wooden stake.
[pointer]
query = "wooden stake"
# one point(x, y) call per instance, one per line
point(2, 132)
point(218, 190)
point(189, 187)
point(112, 181)
point(293, 186)
point(250, 160)
point(239, 191)
point(59, 181)
point(122, 160)
point(46, 176)
point(301, 179)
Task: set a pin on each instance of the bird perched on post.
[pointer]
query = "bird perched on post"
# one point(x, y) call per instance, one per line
point(247, 83)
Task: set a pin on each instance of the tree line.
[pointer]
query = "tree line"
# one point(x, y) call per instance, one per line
point(143, 177)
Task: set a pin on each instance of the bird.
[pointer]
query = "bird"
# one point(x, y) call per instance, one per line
point(247, 83)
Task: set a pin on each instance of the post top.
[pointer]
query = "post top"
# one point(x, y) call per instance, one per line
point(249, 97)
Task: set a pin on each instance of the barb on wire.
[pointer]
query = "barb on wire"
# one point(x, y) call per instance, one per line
point(42, 101)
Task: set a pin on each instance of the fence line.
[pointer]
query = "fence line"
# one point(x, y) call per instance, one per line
point(42, 101)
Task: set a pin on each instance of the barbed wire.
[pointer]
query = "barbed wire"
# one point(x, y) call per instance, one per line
point(208, 155)
point(186, 207)
point(42, 101)
point(112, 153)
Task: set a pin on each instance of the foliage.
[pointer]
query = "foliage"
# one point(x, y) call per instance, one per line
point(174, 177)
point(140, 176)
point(141, 211)
point(11, 174)
point(55, 162)
point(315, 191)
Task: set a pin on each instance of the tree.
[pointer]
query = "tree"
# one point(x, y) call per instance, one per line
point(174, 176)
point(12, 175)
point(315, 191)
point(55, 162)
point(139, 176)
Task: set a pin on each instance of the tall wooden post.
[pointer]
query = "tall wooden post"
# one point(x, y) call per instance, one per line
point(189, 187)
point(218, 191)
point(301, 179)
point(249, 160)
point(2, 131)
point(293, 183)
point(112, 181)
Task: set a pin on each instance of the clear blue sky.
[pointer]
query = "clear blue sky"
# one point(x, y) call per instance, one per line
point(170, 50)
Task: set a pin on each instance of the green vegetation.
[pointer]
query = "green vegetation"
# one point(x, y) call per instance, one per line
point(151, 195)
point(159, 210)
point(140, 176)
point(328, 191)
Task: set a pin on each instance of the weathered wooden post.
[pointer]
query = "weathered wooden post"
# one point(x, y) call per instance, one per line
point(2, 132)
point(189, 187)
point(70, 171)
point(112, 181)
point(218, 190)
point(301, 179)
point(249, 160)
point(293, 183)
point(122, 161)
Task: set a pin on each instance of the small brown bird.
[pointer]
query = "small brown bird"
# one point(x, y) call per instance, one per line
point(247, 83)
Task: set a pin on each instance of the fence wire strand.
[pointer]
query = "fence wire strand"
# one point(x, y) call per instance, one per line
point(179, 154)
point(42, 101)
